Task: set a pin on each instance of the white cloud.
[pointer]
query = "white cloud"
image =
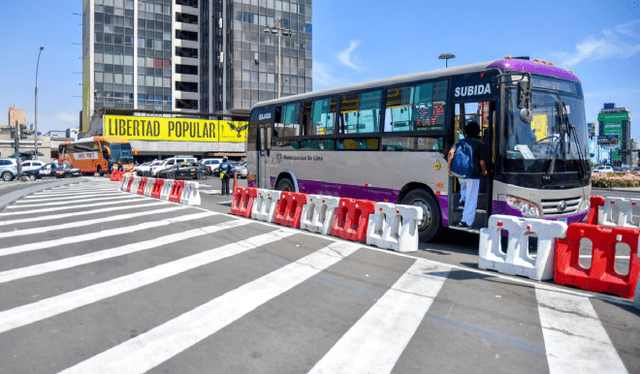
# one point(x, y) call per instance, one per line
point(612, 43)
point(323, 76)
point(345, 56)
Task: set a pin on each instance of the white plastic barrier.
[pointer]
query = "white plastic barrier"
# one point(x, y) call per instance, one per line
point(134, 185)
point(190, 194)
point(621, 212)
point(317, 213)
point(149, 187)
point(394, 227)
point(264, 205)
point(166, 189)
point(516, 260)
point(125, 183)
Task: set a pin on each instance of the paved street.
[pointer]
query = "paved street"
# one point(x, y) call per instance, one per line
point(93, 280)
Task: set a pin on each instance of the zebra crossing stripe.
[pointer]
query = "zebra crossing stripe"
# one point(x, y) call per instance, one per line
point(30, 313)
point(73, 206)
point(68, 197)
point(575, 340)
point(148, 350)
point(67, 263)
point(72, 225)
point(376, 341)
point(132, 205)
point(101, 234)
point(54, 193)
point(56, 203)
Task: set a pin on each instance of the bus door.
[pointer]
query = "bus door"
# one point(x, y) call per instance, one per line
point(264, 154)
point(482, 112)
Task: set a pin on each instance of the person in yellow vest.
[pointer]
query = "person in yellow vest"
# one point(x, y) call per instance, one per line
point(225, 168)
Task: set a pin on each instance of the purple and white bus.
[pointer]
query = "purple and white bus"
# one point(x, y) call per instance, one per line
point(388, 140)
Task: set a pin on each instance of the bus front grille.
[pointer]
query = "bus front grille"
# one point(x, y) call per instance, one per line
point(560, 207)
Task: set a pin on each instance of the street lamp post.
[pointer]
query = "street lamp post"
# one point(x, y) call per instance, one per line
point(35, 122)
point(281, 31)
point(446, 57)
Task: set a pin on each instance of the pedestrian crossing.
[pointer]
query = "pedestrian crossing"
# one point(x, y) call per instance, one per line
point(136, 285)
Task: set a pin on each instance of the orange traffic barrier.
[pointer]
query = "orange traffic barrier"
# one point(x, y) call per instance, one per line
point(602, 275)
point(176, 191)
point(289, 209)
point(596, 203)
point(243, 201)
point(116, 176)
point(142, 185)
point(235, 183)
point(351, 218)
point(157, 188)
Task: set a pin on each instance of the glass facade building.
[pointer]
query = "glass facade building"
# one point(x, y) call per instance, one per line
point(204, 56)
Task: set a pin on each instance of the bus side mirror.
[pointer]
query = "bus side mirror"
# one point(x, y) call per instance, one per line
point(524, 102)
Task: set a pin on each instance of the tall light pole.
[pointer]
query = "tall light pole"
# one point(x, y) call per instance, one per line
point(446, 57)
point(281, 31)
point(35, 122)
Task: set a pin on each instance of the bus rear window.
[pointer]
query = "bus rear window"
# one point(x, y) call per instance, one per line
point(412, 144)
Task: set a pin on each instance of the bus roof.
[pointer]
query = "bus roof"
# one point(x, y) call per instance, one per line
point(108, 139)
point(503, 64)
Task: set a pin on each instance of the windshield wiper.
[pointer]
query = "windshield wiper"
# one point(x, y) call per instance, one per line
point(566, 128)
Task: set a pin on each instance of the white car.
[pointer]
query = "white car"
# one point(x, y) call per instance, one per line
point(171, 162)
point(212, 164)
point(603, 169)
point(32, 165)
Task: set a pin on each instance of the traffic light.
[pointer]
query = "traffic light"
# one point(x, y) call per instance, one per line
point(23, 131)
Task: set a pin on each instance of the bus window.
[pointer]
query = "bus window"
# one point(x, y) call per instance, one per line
point(360, 113)
point(317, 144)
point(368, 144)
point(322, 116)
point(413, 144)
point(287, 123)
point(416, 108)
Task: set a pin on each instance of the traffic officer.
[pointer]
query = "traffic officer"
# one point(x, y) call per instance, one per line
point(225, 169)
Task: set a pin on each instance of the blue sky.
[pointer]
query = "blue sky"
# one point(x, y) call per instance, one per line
point(361, 40)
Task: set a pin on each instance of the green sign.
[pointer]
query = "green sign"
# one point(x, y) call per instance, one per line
point(612, 129)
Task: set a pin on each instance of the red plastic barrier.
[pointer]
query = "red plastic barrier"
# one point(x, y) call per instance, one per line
point(289, 209)
point(351, 218)
point(602, 276)
point(176, 191)
point(596, 202)
point(116, 176)
point(243, 201)
point(142, 185)
point(128, 188)
point(157, 188)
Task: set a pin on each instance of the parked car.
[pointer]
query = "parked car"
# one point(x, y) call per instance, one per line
point(240, 170)
point(32, 174)
point(603, 169)
point(144, 169)
point(211, 164)
point(8, 170)
point(32, 165)
point(66, 171)
point(169, 162)
point(184, 170)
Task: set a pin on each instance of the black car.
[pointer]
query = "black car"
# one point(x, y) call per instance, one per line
point(66, 171)
point(184, 170)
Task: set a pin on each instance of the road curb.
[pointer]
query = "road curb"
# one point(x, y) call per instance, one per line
point(15, 195)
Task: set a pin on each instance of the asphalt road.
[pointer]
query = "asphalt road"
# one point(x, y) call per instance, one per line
point(96, 280)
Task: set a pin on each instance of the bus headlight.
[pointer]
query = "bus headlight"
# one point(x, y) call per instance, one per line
point(584, 205)
point(525, 207)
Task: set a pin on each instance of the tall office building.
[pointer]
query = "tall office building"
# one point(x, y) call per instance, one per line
point(194, 56)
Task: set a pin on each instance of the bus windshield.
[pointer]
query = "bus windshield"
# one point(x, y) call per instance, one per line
point(121, 152)
point(554, 141)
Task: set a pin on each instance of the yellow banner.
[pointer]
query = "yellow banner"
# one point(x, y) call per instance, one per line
point(539, 126)
point(175, 129)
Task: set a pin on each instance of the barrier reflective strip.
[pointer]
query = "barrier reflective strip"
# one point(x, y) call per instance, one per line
point(575, 340)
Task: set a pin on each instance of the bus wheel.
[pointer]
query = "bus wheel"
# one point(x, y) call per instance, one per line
point(285, 184)
point(431, 224)
point(100, 173)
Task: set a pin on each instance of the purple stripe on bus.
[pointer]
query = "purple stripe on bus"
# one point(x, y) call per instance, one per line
point(533, 67)
point(348, 191)
point(443, 200)
point(501, 207)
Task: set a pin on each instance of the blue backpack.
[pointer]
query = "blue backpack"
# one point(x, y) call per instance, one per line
point(462, 165)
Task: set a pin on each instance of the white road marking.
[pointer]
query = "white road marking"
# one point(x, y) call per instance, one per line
point(118, 200)
point(69, 197)
point(100, 234)
point(148, 350)
point(50, 193)
point(575, 340)
point(91, 222)
point(30, 313)
point(131, 205)
point(67, 263)
point(14, 206)
point(376, 341)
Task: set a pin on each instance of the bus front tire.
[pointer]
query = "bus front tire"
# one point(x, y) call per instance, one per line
point(431, 225)
point(285, 184)
point(100, 173)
